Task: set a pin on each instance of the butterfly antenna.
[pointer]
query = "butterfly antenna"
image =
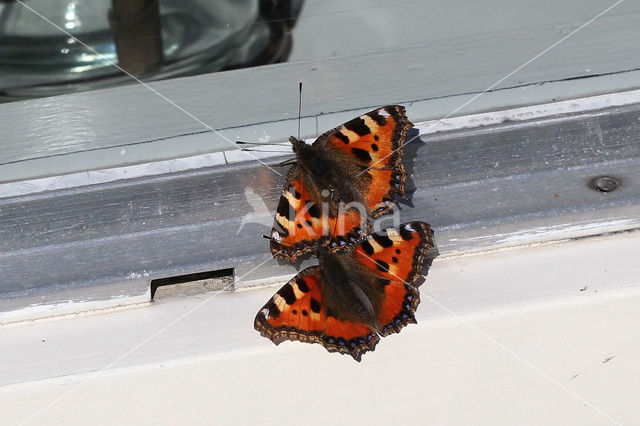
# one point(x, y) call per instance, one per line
point(299, 108)
point(284, 163)
point(264, 150)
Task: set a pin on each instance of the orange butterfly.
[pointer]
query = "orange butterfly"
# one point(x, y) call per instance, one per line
point(357, 293)
point(356, 164)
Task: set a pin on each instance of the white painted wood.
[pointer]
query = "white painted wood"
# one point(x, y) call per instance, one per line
point(332, 28)
point(328, 121)
point(88, 123)
point(513, 182)
point(568, 310)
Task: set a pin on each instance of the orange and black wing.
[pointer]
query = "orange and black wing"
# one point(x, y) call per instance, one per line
point(303, 219)
point(297, 312)
point(398, 257)
point(374, 142)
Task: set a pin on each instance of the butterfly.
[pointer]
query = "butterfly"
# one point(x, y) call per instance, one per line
point(356, 294)
point(347, 173)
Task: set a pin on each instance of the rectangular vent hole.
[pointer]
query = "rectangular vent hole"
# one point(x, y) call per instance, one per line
point(190, 284)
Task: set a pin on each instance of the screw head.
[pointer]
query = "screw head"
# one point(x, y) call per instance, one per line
point(604, 184)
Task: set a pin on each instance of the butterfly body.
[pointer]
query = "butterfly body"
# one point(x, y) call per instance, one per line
point(357, 293)
point(349, 291)
point(328, 170)
point(348, 173)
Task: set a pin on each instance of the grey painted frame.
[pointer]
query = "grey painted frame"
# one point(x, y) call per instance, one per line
point(139, 124)
point(481, 186)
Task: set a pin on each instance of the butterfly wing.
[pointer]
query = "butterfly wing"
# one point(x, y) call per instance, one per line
point(397, 254)
point(374, 142)
point(301, 221)
point(297, 312)
point(397, 257)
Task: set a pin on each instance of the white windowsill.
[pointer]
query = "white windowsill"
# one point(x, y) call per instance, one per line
point(564, 308)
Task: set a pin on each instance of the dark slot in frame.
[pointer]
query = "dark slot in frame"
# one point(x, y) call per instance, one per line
point(187, 278)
